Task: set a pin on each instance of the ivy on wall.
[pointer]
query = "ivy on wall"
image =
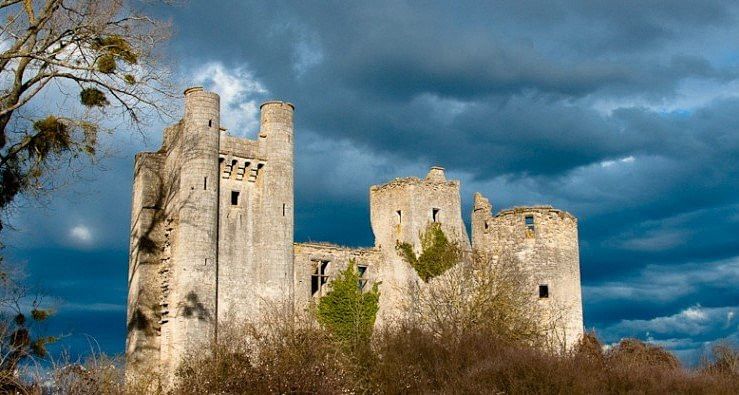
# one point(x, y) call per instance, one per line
point(347, 311)
point(438, 254)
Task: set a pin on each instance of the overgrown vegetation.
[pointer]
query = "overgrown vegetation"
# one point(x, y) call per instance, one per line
point(348, 312)
point(438, 254)
point(486, 292)
point(292, 354)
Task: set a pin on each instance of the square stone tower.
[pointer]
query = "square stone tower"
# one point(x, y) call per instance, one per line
point(211, 231)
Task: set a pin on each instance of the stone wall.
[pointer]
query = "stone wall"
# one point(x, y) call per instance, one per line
point(544, 242)
point(313, 261)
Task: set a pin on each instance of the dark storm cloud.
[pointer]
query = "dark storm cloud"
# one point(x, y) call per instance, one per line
point(624, 113)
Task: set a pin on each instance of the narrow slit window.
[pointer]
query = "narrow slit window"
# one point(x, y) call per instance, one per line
point(362, 271)
point(529, 225)
point(435, 214)
point(234, 198)
point(205, 183)
point(543, 291)
point(210, 123)
point(399, 216)
point(283, 209)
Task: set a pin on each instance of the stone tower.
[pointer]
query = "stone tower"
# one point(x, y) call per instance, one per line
point(212, 239)
point(544, 242)
point(191, 301)
point(400, 211)
point(256, 216)
point(274, 239)
point(211, 231)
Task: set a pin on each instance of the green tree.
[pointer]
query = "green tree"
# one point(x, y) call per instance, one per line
point(438, 254)
point(348, 312)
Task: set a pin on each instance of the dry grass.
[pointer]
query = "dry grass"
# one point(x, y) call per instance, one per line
point(302, 358)
point(294, 355)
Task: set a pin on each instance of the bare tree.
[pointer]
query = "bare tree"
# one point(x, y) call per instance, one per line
point(485, 292)
point(101, 53)
point(21, 311)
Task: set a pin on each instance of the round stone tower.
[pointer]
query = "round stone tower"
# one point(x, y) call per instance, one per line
point(274, 234)
point(544, 241)
point(190, 319)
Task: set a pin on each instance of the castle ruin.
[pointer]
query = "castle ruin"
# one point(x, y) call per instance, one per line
point(212, 237)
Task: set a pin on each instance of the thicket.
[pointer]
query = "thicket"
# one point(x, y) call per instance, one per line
point(413, 360)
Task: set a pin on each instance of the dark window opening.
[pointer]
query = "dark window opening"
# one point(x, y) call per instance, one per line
point(435, 214)
point(210, 123)
point(529, 226)
point(487, 225)
point(283, 209)
point(314, 287)
point(234, 198)
point(319, 278)
point(362, 270)
point(399, 216)
point(205, 183)
point(543, 291)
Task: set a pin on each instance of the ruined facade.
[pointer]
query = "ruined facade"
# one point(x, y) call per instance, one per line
point(212, 237)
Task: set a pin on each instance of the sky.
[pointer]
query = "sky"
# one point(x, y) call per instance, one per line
point(625, 114)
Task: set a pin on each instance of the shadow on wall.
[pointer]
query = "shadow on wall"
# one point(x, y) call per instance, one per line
point(192, 307)
point(151, 231)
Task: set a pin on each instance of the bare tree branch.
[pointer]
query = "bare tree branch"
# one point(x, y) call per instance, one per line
point(101, 50)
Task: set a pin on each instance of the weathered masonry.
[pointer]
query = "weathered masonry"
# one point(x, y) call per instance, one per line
point(212, 237)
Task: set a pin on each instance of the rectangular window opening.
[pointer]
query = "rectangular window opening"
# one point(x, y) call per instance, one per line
point(234, 198)
point(283, 209)
point(210, 123)
point(314, 287)
point(319, 278)
point(362, 270)
point(543, 291)
point(435, 214)
point(205, 183)
point(529, 226)
point(399, 216)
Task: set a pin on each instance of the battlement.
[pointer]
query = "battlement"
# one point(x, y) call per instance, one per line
point(543, 209)
point(278, 102)
point(434, 179)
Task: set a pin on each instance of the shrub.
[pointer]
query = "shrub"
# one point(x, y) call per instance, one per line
point(284, 354)
point(438, 254)
point(634, 351)
point(724, 360)
point(347, 312)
